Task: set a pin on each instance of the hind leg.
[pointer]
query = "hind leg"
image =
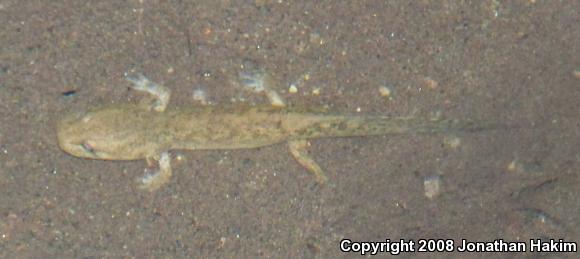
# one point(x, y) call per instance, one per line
point(299, 152)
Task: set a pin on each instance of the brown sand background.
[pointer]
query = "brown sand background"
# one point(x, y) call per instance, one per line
point(510, 62)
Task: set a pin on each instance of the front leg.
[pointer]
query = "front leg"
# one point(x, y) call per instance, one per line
point(158, 95)
point(299, 152)
point(152, 182)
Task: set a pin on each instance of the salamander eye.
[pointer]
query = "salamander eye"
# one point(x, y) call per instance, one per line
point(88, 147)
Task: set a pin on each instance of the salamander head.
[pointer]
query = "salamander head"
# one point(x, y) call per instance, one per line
point(106, 133)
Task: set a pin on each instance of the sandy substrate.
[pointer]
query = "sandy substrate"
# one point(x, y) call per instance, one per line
point(509, 62)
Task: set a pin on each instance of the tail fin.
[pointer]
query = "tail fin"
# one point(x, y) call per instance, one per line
point(344, 126)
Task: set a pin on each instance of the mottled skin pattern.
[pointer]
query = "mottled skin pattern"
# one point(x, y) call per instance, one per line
point(129, 132)
point(138, 131)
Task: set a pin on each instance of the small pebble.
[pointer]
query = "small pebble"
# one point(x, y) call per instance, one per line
point(384, 91)
point(577, 73)
point(452, 142)
point(316, 39)
point(511, 166)
point(200, 95)
point(432, 186)
point(316, 91)
point(431, 84)
point(515, 166)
